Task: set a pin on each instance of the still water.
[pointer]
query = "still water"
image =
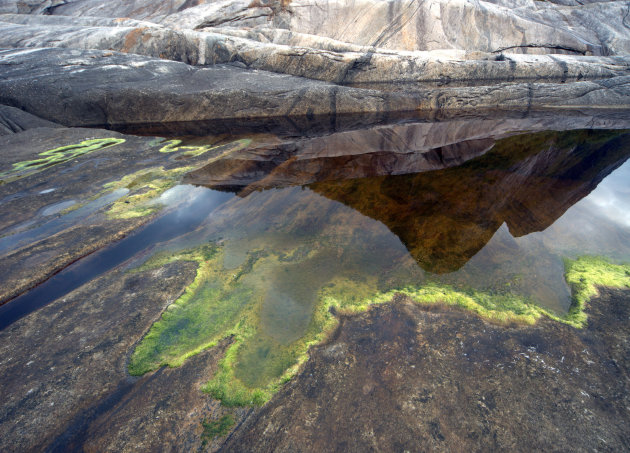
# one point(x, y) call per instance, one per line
point(332, 217)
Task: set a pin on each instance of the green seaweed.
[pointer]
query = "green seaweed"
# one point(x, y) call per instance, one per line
point(57, 156)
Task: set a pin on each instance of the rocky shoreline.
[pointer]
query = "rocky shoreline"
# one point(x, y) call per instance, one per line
point(320, 95)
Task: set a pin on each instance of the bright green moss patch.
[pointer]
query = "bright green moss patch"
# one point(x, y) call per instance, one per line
point(57, 156)
point(206, 313)
point(144, 187)
point(585, 274)
point(274, 309)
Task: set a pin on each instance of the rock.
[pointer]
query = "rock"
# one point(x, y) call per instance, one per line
point(314, 58)
point(491, 26)
point(14, 120)
point(105, 88)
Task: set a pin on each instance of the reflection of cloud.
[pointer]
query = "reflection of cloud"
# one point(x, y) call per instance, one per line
point(611, 198)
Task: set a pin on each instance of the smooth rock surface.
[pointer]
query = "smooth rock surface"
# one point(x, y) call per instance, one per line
point(315, 58)
point(14, 120)
point(96, 88)
point(407, 378)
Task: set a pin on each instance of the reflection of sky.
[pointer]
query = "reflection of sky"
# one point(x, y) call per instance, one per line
point(599, 224)
point(612, 197)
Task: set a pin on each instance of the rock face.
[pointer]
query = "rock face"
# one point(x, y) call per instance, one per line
point(13, 120)
point(598, 28)
point(367, 41)
point(97, 88)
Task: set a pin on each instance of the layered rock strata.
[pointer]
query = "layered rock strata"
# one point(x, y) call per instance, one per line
point(466, 49)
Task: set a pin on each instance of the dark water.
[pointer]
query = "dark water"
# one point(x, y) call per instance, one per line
point(385, 209)
point(185, 217)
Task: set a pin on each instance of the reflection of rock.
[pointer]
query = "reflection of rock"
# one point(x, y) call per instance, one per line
point(444, 217)
point(528, 181)
point(379, 151)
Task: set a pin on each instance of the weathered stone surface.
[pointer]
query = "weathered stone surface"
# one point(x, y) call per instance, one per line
point(315, 58)
point(95, 88)
point(72, 361)
point(101, 88)
point(517, 26)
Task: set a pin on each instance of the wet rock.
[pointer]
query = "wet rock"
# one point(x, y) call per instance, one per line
point(72, 361)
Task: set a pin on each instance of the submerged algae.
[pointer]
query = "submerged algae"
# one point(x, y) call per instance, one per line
point(144, 187)
point(147, 185)
point(223, 303)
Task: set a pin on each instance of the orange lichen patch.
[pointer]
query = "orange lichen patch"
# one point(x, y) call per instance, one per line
point(133, 38)
point(121, 19)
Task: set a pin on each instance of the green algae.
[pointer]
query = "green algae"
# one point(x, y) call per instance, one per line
point(230, 303)
point(205, 313)
point(585, 274)
point(144, 187)
point(172, 146)
point(57, 156)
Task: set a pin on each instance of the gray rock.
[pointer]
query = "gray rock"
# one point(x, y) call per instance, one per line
point(82, 88)
point(14, 120)
point(310, 57)
point(89, 88)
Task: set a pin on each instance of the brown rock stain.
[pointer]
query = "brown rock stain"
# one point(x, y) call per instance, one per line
point(133, 38)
